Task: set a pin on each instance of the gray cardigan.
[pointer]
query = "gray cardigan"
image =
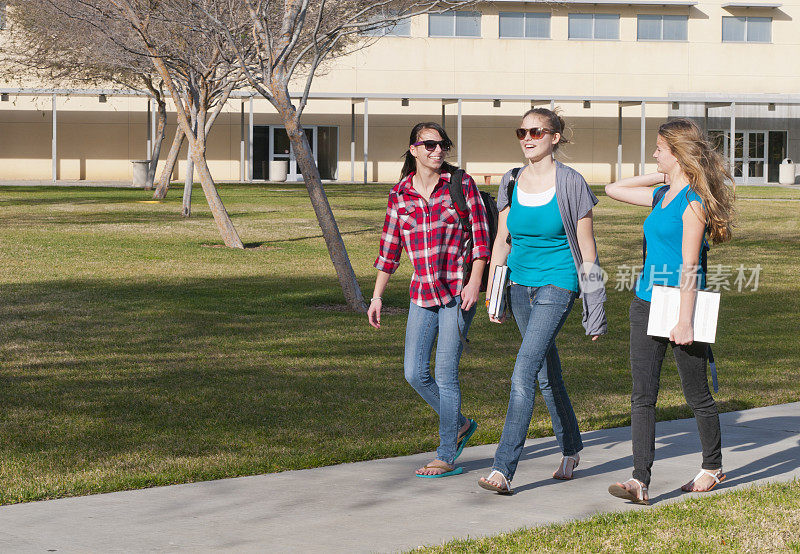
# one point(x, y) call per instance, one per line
point(575, 199)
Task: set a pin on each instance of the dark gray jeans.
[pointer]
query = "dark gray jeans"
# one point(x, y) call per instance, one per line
point(647, 354)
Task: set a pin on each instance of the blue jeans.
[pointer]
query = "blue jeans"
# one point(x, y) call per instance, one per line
point(443, 393)
point(540, 312)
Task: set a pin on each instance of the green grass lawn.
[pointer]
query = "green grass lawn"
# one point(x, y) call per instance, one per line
point(135, 351)
point(755, 519)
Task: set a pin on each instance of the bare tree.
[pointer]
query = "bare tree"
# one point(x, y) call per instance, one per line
point(192, 71)
point(283, 43)
point(41, 41)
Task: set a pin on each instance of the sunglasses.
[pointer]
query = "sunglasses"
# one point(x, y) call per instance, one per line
point(430, 145)
point(535, 132)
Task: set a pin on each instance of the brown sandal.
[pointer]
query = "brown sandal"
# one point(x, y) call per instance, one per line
point(638, 497)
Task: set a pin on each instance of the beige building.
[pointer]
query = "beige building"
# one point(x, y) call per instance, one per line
point(616, 69)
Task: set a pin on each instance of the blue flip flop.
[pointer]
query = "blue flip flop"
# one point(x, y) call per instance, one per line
point(468, 435)
point(457, 471)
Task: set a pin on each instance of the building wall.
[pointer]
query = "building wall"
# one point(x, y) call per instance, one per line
point(97, 141)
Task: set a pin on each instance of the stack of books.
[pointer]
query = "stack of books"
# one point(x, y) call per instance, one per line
point(497, 296)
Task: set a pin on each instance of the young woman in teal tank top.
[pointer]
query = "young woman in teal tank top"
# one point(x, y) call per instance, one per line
point(698, 200)
point(549, 219)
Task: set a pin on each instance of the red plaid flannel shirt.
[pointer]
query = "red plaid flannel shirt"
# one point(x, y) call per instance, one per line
point(432, 236)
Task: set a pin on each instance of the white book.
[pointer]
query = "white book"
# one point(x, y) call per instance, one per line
point(665, 307)
point(497, 296)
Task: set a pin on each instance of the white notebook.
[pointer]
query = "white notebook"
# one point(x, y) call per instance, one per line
point(497, 296)
point(664, 310)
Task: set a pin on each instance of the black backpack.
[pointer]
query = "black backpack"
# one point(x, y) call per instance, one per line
point(659, 194)
point(457, 194)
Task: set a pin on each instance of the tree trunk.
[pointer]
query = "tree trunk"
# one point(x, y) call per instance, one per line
point(161, 129)
point(226, 228)
point(322, 208)
point(186, 210)
point(169, 165)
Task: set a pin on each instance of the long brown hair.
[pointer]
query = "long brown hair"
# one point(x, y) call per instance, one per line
point(707, 171)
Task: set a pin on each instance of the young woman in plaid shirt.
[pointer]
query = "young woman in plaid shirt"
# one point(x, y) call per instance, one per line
point(422, 219)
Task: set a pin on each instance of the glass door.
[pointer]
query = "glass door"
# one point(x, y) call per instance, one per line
point(749, 154)
point(280, 149)
point(756, 160)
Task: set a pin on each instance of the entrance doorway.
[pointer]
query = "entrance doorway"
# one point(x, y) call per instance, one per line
point(271, 143)
point(756, 155)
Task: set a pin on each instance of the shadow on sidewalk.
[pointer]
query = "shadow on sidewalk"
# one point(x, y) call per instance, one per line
point(749, 435)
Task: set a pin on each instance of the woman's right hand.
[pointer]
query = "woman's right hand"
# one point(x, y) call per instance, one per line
point(374, 313)
point(493, 319)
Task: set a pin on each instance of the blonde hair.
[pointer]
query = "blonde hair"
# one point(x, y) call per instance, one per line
point(707, 171)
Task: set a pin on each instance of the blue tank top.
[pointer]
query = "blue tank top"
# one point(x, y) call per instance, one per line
point(663, 230)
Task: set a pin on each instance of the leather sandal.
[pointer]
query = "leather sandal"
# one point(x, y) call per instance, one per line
point(717, 475)
point(503, 488)
point(562, 467)
point(637, 496)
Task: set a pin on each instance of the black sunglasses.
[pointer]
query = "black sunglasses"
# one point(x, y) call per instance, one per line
point(535, 132)
point(430, 145)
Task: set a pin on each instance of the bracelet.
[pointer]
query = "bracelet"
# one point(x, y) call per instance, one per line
point(374, 298)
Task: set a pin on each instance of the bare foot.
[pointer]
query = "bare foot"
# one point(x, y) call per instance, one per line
point(566, 467)
point(704, 481)
point(436, 467)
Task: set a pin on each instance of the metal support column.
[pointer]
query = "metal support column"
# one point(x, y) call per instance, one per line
point(642, 139)
point(443, 114)
point(352, 140)
point(732, 147)
point(250, 144)
point(619, 142)
point(149, 150)
point(366, 137)
point(54, 152)
point(705, 118)
point(552, 104)
point(241, 144)
point(458, 134)
point(153, 131)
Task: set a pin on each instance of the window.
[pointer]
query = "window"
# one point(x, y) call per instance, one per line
point(746, 29)
point(402, 28)
point(454, 24)
point(662, 27)
point(524, 25)
point(594, 26)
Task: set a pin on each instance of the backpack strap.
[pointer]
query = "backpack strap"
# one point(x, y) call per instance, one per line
point(460, 203)
point(510, 191)
point(511, 183)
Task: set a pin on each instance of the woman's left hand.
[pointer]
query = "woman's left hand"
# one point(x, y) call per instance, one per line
point(682, 333)
point(469, 294)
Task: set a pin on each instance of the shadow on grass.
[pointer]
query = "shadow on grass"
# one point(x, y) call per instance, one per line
point(109, 384)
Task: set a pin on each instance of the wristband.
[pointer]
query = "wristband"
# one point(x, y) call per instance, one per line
point(374, 298)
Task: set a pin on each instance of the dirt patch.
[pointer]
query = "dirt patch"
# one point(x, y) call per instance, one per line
point(250, 246)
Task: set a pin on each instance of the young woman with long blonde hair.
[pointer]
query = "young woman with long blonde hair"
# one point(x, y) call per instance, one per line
point(698, 200)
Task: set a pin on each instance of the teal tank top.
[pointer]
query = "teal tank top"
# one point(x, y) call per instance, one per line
point(540, 253)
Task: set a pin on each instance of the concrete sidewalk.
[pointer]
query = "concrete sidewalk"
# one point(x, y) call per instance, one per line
point(380, 506)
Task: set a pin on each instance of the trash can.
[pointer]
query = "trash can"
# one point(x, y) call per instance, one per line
point(786, 172)
point(278, 170)
point(140, 172)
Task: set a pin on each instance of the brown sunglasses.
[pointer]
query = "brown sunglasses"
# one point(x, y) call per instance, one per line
point(535, 132)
